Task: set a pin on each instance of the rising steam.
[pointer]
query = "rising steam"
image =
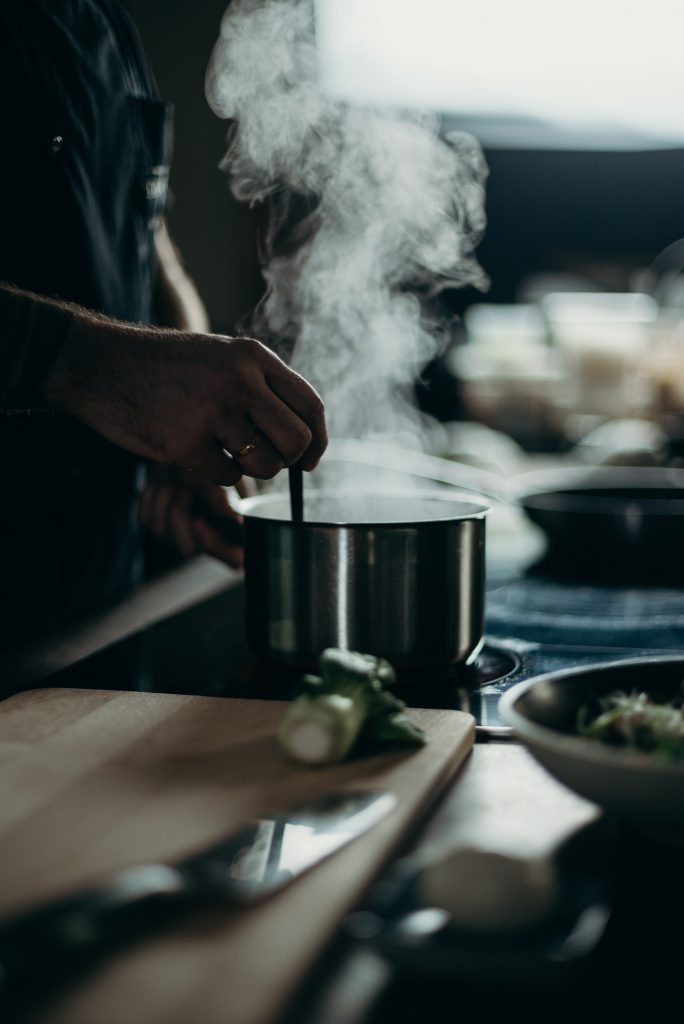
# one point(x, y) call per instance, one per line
point(369, 213)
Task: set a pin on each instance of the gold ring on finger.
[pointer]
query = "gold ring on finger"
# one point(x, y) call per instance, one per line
point(254, 443)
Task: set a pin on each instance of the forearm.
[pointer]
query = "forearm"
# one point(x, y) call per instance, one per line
point(113, 376)
point(62, 357)
point(33, 330)
point(177, 397)
point(176, 300)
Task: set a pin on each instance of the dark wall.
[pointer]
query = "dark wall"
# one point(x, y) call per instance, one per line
point(547, 210)
point(216, 235)
point(591, 212)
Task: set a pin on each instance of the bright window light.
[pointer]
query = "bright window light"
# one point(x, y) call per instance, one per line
point(616, 63)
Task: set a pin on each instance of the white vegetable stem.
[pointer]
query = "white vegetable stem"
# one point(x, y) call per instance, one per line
point(320, 730)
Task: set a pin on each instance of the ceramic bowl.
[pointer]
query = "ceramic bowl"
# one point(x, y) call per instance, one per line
point(641, 788)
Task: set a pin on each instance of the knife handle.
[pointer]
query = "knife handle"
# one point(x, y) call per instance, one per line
point(67, 931)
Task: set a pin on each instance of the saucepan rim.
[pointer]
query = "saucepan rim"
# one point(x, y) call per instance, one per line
point(478, 510)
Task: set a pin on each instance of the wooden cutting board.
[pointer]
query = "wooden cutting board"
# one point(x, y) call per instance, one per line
point(94, 780)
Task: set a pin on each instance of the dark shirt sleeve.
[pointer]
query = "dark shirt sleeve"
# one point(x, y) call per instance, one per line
point(32, 332)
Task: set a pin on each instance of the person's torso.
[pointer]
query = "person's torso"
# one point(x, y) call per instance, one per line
point(87, 148)
point(82, 182)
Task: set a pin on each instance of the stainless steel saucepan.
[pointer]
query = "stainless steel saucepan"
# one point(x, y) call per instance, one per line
point(401, 576)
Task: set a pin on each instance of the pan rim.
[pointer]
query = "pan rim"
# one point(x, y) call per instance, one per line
point(583, 748)
point(583, 501)
point(479, 510)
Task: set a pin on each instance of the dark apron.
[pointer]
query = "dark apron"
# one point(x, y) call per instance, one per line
point(83, 171)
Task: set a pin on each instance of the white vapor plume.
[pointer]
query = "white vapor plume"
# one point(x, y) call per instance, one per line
point(370, 213)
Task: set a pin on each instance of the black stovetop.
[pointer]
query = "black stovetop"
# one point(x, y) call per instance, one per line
point(533, 625)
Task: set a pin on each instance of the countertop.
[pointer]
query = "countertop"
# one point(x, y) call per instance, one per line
point(501, 799)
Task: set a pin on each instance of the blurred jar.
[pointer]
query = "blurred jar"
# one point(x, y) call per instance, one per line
point(602, 340)
point(509, 376)
point(663, 365)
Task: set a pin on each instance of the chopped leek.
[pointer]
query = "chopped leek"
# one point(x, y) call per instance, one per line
point(346, 705)
point(636, 720)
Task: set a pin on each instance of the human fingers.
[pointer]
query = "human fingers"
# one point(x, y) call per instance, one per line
point(285, 429)
point(213, 543)
point(216, 499)
point(156, 476)
point(256, 456)
point(145, 506)
point(212, 461)
point(306, 403)
point(181, 528)
point(211, 506)
point(245, 487)
point(162, 498)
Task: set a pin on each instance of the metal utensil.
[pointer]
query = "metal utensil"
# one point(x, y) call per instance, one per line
point(477, 913)
point(241, 869)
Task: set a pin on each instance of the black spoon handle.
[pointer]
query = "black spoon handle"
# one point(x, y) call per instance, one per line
point(296, 493)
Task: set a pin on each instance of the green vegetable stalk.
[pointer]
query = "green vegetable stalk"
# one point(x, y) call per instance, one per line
point(345, 705)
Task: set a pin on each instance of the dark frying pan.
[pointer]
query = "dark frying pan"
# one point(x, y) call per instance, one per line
point(621, 524)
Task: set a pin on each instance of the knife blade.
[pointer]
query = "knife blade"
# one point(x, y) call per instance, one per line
point(241, 869)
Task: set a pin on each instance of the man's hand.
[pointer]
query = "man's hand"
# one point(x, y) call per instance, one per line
point(193, 514)
point(217, 406)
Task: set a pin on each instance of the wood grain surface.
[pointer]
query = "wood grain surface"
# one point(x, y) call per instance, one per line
point(91, 781)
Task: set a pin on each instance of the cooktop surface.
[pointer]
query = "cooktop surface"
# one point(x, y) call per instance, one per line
point(533, 625)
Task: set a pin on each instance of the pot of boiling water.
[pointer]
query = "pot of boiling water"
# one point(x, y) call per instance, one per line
point(399, 576)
